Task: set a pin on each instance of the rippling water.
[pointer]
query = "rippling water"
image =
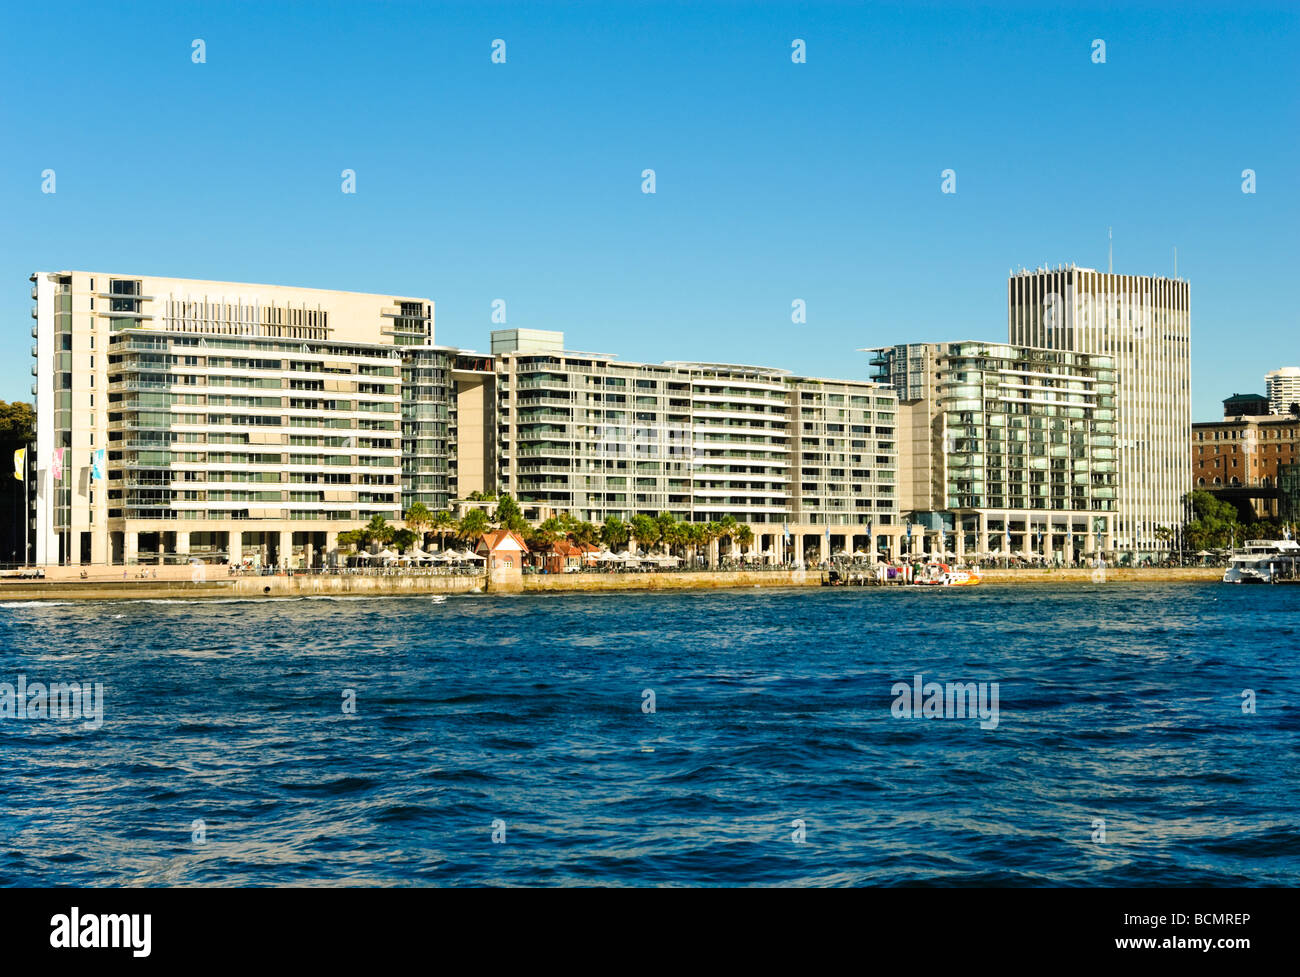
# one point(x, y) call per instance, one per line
point(1121, 703)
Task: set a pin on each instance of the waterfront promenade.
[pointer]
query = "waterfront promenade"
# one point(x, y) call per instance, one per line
point(184, 582)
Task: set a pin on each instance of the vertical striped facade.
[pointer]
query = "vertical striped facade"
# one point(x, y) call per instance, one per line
point(1144, 324)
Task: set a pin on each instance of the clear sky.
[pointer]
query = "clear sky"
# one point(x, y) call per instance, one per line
point(775, 181)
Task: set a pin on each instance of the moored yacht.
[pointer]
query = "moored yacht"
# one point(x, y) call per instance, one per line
point(1259, 559)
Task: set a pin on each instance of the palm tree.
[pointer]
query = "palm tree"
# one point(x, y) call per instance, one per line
point(584, 533)
point(712, 532)
point(377, 530)
point(667, 527)
point(727, 529)
point(645, 530)
point(697, 535)
point(473, 526)
point(677, 535)
point(443, 524)
point(419, 519)
point(745, 537)
point(614, 532)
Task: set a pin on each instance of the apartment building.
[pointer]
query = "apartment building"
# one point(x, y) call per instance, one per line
point(1283, 389)
point(1144, 325)
point(808, 464)
point(180, 418)
point(1006, 450)
point(184, 419)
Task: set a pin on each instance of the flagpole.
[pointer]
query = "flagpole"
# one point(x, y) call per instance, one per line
point(27, 520)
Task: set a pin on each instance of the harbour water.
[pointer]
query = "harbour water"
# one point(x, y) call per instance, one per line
point(509, 740)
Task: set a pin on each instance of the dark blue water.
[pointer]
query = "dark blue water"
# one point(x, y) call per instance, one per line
point(1120, 703)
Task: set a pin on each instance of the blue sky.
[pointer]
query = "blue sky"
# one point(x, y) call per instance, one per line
point(775, 181)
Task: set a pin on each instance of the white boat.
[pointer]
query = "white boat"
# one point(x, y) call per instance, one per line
point(1259, 559)
point(438, 598)
point(943, 575)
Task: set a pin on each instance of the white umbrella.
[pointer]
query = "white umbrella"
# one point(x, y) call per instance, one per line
point(386, 554)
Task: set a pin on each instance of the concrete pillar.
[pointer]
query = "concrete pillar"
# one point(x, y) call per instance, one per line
point(235, 546)
point(285, 558)
point(960, 548)
point(131, 545)
point(823, 546)
point(182, 543)
point(331, 547)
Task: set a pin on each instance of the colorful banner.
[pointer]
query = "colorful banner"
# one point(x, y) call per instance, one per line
point(20, 464)
point(97, 464)
point(58, 464)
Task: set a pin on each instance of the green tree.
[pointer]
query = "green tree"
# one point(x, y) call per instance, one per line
point(378, 530)
point(727, 529)
point(585, 533)
point(17, 422)
point(350, 538)
point(676, 536)
point(614, 532)
point(697, 535)
point(542, 537)
point(404, 539)
point(472, 527)
point(645, 530)
point(745, 536)
point(17, 430)
point(510, 516)
point(419, 519)
point(1214, 522)
point(442, 525)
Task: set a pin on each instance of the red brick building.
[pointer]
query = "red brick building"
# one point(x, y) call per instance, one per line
point(1239, 457)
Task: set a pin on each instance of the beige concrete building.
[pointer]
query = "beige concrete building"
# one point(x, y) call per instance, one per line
point(184, 420)
point(180, 418)
point(808, 464)
point(1144, 325)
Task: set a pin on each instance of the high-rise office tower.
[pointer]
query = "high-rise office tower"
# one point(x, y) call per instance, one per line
point(1143, 323)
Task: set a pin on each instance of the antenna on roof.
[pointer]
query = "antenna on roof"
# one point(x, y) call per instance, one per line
point(1110, 248)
